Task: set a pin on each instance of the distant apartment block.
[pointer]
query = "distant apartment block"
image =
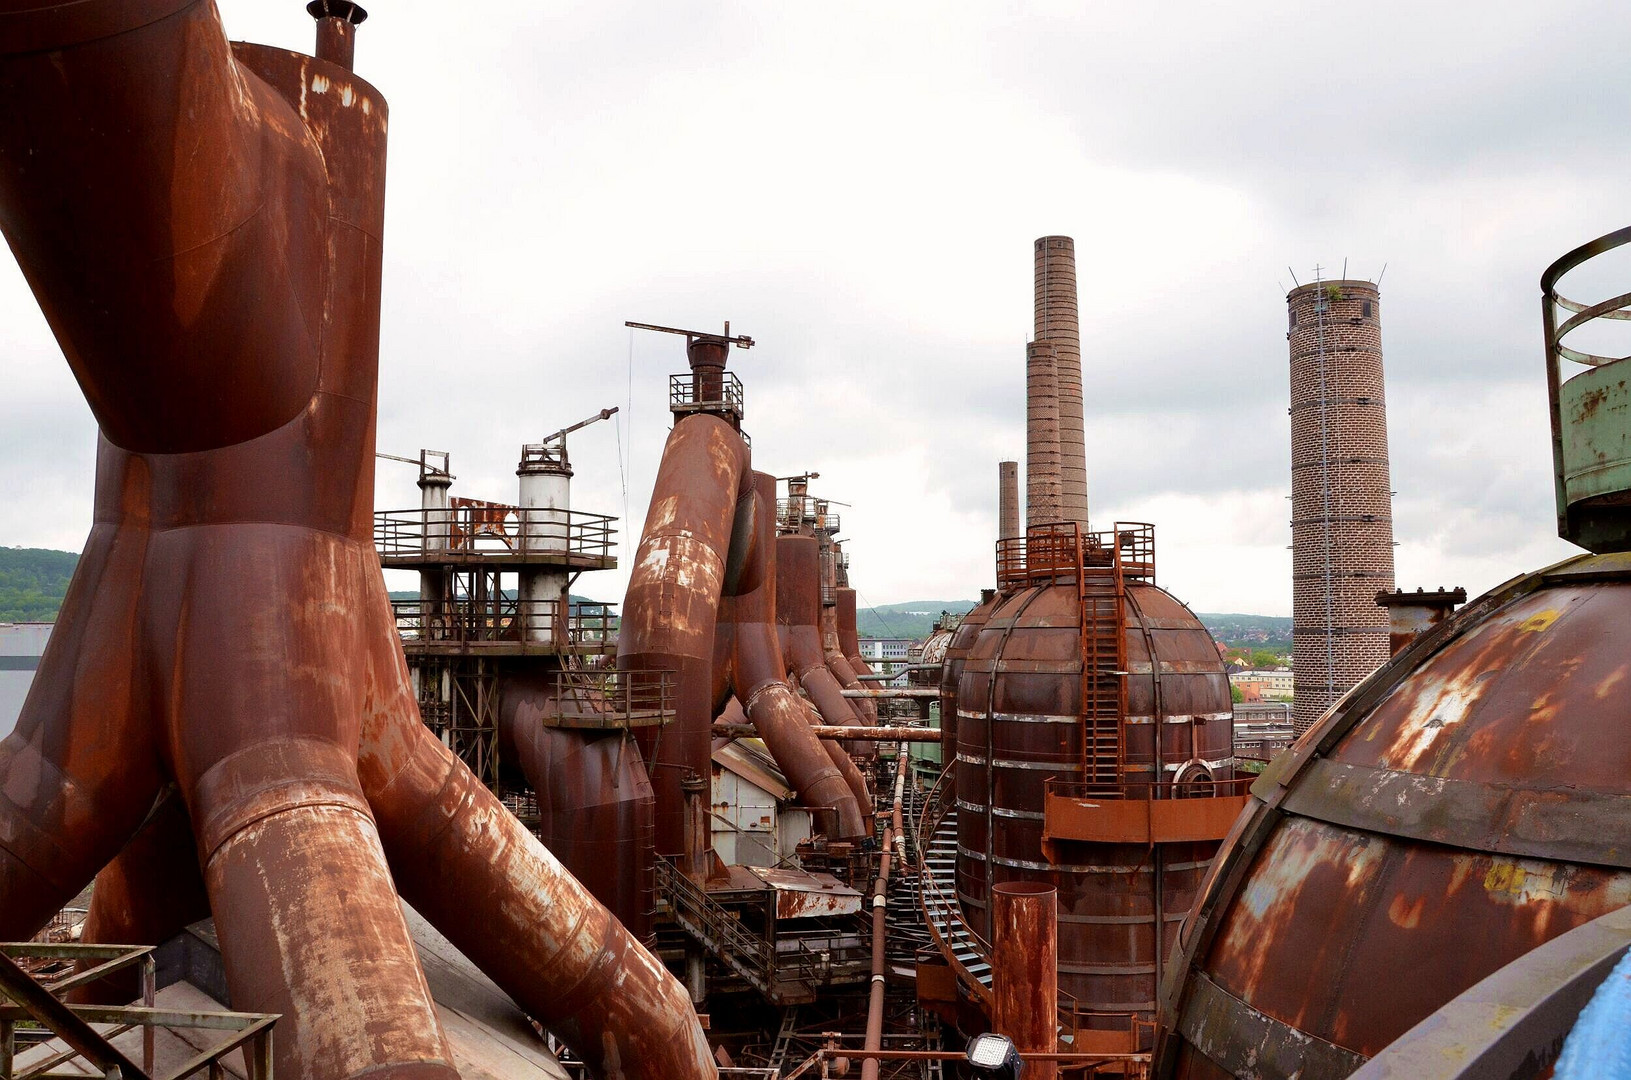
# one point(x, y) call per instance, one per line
point(21, 645)
point(1263, 685)
point(885, 648)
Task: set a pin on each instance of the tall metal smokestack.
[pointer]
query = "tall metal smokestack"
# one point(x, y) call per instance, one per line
point(1056, 324)
point(1007, 499)
point(1341, 497)
point(1041, 435)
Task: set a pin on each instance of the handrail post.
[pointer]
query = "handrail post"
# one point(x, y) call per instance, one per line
point(149, 992)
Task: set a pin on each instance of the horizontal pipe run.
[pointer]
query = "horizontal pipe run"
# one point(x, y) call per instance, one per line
point(879, 676)
point(1078, 1057)
point(894, 692)
point(838, 731)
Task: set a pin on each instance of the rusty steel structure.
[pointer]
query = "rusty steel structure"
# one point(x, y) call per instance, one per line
point(1087, 728)
point(1465, 804)
point(951, 671)
point(1057, 326)
point(734, 610)
point(227, 630)
point(1341, 492)
point(1025, 968)
point(819, 769)
point(1411, 614)
point(1094, 755)
point(681, 566)
point(798, 618)
point(511, 674)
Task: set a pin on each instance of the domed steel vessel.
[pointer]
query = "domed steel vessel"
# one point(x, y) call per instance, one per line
point(1465, 804)
point(1114, 786)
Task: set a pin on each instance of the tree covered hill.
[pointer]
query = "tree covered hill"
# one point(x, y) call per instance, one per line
point(913, 619)
point(33, 582)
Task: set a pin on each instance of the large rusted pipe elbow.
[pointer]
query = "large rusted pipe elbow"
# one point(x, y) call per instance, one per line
point(523, 919)
point(168, 289)
point(672, 605)
point(757, 677)
point(596, 809)
point(798, 611)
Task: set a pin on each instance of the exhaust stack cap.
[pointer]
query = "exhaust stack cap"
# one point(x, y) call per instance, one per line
point(337, 22)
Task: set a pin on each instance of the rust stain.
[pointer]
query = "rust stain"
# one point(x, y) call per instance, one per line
point(228, 631)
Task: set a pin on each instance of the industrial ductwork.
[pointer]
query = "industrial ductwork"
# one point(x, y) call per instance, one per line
point(596, 808)
point(747, 636)
point(798, 618)
point(704, 601)
point(227, 629)
point(672, 605)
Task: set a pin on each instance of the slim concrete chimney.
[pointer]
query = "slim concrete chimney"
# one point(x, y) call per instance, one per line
point(1007, 499)
point(1056, 324)
point(1041, 435)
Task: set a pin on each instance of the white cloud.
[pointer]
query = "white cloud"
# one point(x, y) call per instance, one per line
point(858, 186)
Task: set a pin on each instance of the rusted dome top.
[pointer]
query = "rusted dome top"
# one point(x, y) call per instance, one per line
point(1465, 804)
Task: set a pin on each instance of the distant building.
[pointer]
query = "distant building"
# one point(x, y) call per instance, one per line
point(21, 645)
point(1263, 685)
point(885, 648)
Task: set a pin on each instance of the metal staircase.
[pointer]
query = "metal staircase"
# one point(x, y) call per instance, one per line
point(718, 930)
point(968, 955)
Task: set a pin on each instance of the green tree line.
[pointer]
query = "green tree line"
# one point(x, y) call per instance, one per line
point(33, 582)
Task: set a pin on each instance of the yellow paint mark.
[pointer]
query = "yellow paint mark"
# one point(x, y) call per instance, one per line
point(1505, 877)
point(1539, 621)
point(1606, 687)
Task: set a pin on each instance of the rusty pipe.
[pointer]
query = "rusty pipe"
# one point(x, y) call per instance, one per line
point(838, 661)
point(169, 289)
point(798, 617)
point(520, 917)
point(146, 896)
point(839, 757)
point(893, 836)
point(748, 624)
point(194, 300)
point(597, 812)
point(671, 607)
point(1025, 968)
point(736, 730)
point(337, 22)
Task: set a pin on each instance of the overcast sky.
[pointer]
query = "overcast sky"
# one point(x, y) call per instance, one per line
point(857, 186)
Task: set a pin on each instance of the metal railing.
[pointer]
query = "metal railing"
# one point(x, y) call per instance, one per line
point(936, 901)
point(746, 953)
point(1591, 448)
point(29, 1001)
point(712, 393)
point(501, 619)
point(797, 511)
point(608, 698)
point(1075, 1017)
point(1060, 551)
point(1203, 787)
point(491, 529)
